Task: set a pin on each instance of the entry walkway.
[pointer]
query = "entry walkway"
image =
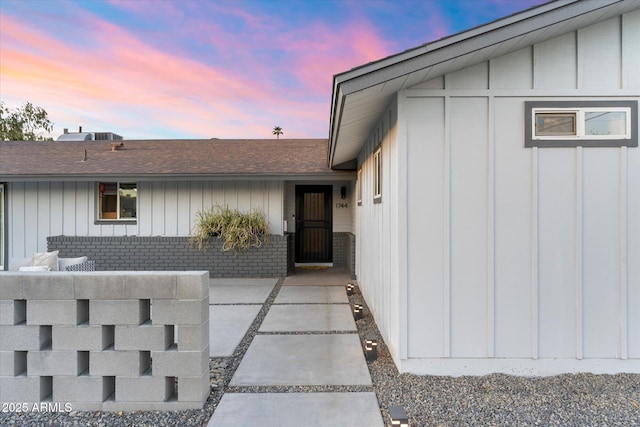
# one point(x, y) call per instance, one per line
point(307, 341)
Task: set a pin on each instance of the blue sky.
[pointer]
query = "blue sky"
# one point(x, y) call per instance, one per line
point(202, 69)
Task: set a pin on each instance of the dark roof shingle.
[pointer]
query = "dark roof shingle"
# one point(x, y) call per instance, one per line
point(164, 157)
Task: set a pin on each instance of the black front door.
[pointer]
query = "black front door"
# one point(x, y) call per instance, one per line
point(314, 223)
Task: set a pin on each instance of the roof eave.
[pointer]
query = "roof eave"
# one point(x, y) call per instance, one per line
point(447, 49)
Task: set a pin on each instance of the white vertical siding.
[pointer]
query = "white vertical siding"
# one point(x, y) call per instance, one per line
point(378, 247)
point(516, 257)
point(514, 168)
point(165, 208)
point(469, 204)
point(426, 219)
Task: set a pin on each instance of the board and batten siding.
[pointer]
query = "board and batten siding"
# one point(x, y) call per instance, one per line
point(518, 260)
point(379, 254)
point(165, 208)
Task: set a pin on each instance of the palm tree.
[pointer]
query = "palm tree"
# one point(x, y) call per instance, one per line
point(277, 131)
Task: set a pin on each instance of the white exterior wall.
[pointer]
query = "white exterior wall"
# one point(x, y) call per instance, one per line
point(379, 236)
point(518, 260)
point(165, 208)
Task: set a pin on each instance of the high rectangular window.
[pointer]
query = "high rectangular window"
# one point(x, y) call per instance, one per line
point(359, 187)
point(377, 176)
point(117, 201)
point(581, 123)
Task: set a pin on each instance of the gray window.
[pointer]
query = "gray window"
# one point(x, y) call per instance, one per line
point(581, 123)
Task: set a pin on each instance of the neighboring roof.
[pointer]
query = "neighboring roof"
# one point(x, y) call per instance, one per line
point(163, 158)
point(76, 136)
point(361, 95)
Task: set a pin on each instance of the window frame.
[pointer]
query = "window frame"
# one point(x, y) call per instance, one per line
point(580, 109)
point(359, 187)
point(118, 219)
point(377, 175)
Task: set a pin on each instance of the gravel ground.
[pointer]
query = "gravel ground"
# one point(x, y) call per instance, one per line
point(493, 400)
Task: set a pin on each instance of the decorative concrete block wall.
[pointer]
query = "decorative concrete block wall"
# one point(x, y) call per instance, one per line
point(105, 341)
point(132, 253)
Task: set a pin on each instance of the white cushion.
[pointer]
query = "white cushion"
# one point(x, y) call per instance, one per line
point(63, 263)
point(46, 258)
point(35, 268)
point(16, 263)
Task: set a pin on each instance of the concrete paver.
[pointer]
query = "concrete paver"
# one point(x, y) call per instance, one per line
point(327, 359)
point(309, 317)
point(297, 409)
point(312, 294)
point(307, 338)
point(228, 324)
point(239, 294)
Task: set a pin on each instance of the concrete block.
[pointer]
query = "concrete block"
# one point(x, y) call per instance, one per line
point(193, 337)
point(144, 389)
point(193, 389)
point(113, 363)
point(81, 337)
point(143, 337)
point(76, 389)
point(183, 312)
point(48, 287)
point(24, 389)
point(49, 363)
point(12, 312)
point(52, 312)
point(100, 286)
point(180, 363)
point(21, 338)
point(151, 285)
point(118, 312)
point(13, 363)
point(192, 285)
point(11, 286)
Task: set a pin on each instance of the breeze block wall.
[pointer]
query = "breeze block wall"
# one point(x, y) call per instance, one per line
point(157, 253)
point(105, 341)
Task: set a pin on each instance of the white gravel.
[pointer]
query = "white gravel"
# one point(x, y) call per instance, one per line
point(493, 400)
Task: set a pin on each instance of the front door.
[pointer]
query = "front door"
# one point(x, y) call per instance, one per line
point(314, 224)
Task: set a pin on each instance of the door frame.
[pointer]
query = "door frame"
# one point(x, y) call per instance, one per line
point(300, 190)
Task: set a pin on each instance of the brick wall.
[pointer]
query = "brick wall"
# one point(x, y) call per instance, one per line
point(90, 340)
point(174, 253)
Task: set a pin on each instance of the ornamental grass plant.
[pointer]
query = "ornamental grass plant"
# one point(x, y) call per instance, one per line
point(238, 231)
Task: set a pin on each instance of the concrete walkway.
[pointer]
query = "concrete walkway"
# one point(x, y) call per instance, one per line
point(307, 339)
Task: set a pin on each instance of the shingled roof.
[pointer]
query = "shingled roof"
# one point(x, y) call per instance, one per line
point(155, 158)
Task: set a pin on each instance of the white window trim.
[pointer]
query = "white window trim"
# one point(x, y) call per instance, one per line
point(118, 220)
point(630, 139)
point(359, 187)
point(377, 175)
point(581, 122)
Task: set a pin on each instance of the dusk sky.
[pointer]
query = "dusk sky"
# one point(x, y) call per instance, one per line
point(203, 69)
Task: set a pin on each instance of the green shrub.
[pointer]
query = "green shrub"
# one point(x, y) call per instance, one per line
point(239, 231)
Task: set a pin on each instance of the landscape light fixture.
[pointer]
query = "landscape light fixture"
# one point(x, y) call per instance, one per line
point(357, 311)
point(370, 349)
point(398, 416)
point(350, 288)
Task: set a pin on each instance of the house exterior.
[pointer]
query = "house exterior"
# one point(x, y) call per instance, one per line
point(498, 195)
point(131, 205)
point(483, 188)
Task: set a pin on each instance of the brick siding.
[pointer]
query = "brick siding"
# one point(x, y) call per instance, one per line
point(175, 253)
